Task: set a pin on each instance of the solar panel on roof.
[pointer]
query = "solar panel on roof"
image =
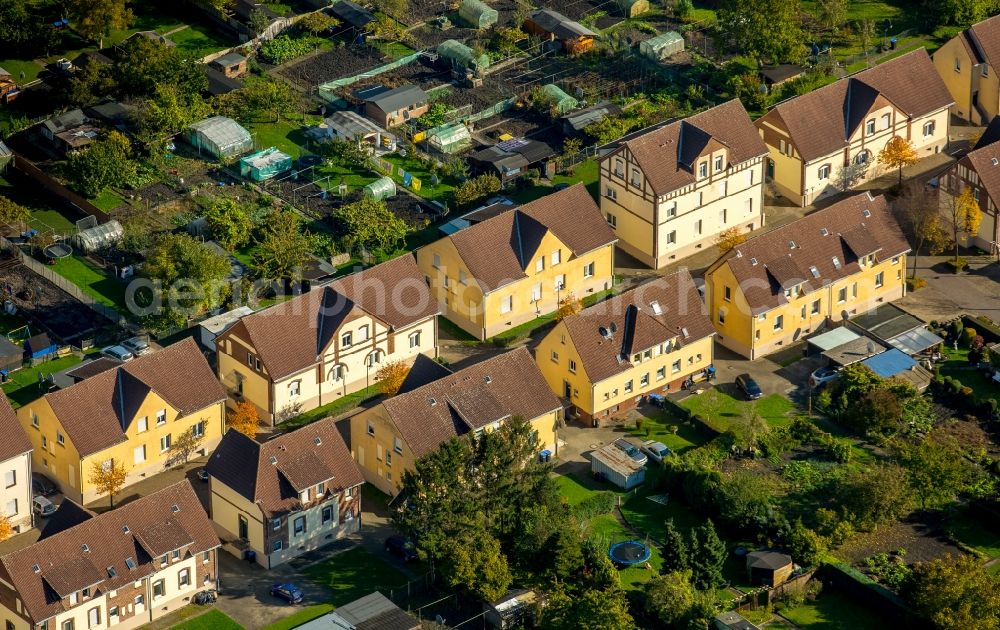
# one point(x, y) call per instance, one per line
point(512, 144)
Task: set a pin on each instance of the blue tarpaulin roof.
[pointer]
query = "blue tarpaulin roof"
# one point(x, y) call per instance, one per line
point(890, 363)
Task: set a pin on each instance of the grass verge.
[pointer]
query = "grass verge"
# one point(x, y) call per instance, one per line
point(343, 403)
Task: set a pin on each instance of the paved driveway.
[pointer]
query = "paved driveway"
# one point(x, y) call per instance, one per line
point(948, 295)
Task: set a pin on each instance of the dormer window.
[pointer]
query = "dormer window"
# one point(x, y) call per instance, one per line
point(304, 497)
point(814, 271)
point(836, 262)
point(161, 417)
point(718, 163)
point(346, 340)
point(870, 127)
point(702, 170)
point(363, 333)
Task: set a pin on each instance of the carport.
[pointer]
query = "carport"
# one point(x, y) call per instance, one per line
point(830, 340)
point(853, 351)
point(915, 341)
point(895, 363)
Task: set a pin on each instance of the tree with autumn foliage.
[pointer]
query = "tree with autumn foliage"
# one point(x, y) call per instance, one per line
point(244, 418)
point(569, 305)
point(964, 215)
point(107, 478)
point(390, 377)
point(918, 212)
point(6, 528)
point(13, 213)
point(729, 239)
point(897, 153)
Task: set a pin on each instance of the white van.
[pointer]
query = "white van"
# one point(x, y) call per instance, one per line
point(42, 506)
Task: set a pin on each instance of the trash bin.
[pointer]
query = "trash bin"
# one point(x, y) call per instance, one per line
point(892, 44)
point(250, 555)
point(545, 456)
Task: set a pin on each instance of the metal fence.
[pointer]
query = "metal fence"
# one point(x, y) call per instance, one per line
point(877, 51)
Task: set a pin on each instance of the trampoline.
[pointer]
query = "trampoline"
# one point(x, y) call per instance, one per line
point(56, 251)
point(629, 552)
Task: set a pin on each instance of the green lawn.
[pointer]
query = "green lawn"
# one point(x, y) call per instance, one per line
point(107, 200)
point(212, 620)
point(198, 41)
point(975, 533)
point(527, 329)
point(94, 282)
point(287, 135)
point(355, 573)
point(11, 322)
point(442, 192)
point(587, 172)
point(22, 387)
point(15, 67)
point(572, 489)
point(149, 16)
point(956, 364)
point(306, 614)
point(665, 427)
point(43, 215)
point(774, 408)
point(833, 611)
point(341, 404)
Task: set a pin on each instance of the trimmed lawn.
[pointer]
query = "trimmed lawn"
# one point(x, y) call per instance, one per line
point(93, 281)
point(528, 329)
point(773, 408)
point(343, 403)
point(11, 322)
point(22, 386)
point(355, 573)
point(148, 17)
point(606, 530)
point(287, 135)
point(665, 427)
point(442, 192)
point(306, 614)
point(956, 365)
point(107, 200)
point(572, 488)
point(198, 41)
point(43, 215)
point(15, 67)
point(214, 619)
point(833, 611)
point(975, 533)
point(587, 172)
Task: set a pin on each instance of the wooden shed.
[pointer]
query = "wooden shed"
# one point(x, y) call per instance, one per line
point(769, 568)
point(632, 8)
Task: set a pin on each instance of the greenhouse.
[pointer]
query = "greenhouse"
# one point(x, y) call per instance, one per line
point(461, 56)
point(562, 102)
point(220, 137)
point(381, 188)
point(633, 8)
point(265, 164)
point(96, 238)
point(662, 46)
point(479, 14)
point(451, 138)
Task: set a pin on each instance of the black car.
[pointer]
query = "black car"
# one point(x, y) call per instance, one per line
point(41, 485)
point(749, 387)
point(288, 592)
point(401, 547)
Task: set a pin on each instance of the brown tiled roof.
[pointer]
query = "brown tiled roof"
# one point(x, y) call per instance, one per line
point(303, 458)
point(665, 154)
point(162, 537)
point(984, 38)
point(63, 566)
point(93, 368)
point(504, 386)
point(820, 122)
point(765, 265)
point(13, 441)
point(984, 159)
point(290, 337)
point(499, 250)
point(639, 328)
point(95, 412)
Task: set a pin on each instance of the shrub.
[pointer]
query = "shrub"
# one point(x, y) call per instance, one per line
point(914, 283)
point(957, 265)
point(602, 502)
point(968, 335)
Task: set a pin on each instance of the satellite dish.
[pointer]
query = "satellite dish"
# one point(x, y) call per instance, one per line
point(603, 331)
point(844, 315)
point(613, 327)
point(871, 347)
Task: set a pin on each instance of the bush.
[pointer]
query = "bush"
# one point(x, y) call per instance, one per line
point(968, 335)
point(958, 265)
point(914, 283)
point(602, 502)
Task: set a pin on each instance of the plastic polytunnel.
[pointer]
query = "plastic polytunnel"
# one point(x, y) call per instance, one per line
point(96, 238)
point(219, 136)
point(450, 138)
point(461, 56)
point(381, 188)
point(478, 14)
point(662, 46)
point(563, 101)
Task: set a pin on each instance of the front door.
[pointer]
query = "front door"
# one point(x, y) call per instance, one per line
point(567, 390)
point(770, 169)
point(244, 528)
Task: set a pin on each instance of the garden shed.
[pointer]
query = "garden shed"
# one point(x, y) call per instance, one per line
point(451, 138)
point(97, 237)
point(381, 188)
point(479, 14)
point(219, 136)
point(563, 101)
point(265, 164)
point(461, 56)
point(612, 464)
point(662, 46)
point(633, 8)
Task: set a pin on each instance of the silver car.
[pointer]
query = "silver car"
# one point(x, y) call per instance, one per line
point(656, 451)
point(631, 450)
point(118, 352)
point(137, 346)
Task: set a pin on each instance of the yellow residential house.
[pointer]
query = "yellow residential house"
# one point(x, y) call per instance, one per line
point(435, 405)
point(120, 569)
point(292, 494)
point(979, 169)
point(518, 265)
point(670, 191)
point(15, 470)
point(330, 342)
point(131, 415)
point(828, 139)
point(650, 339)
point(968, 65)
point(777, 288)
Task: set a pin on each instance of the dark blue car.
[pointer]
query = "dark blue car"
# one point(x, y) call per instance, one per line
point(288, 592)
point(401, 547)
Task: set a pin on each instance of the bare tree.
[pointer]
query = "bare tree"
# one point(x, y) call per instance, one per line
point(918, 212)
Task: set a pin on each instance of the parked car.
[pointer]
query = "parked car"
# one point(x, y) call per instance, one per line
point(824, 375)
point(42, 485)
point(42, 506)
point(657, 451)
point(288, 592)
point(401, 547)
point(749, 387)
point(118, 352)
point(203, 474)
point(137, 346)
point(632, 451)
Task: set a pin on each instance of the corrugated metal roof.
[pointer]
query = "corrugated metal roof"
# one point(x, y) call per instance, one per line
point(890, 363)
point(832, 339)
